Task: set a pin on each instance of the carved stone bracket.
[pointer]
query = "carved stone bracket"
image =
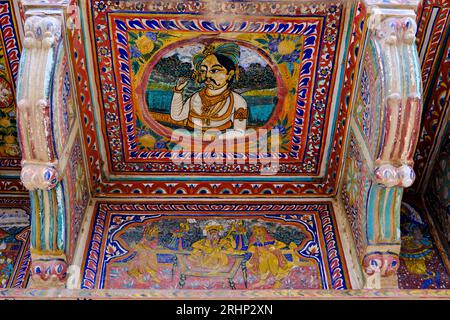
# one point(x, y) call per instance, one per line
point(393, 35)
point(391, 176)
point(40, 172)
point(39, 176)
point(42, 35)
point(394, 87)
point(378, 265)
point(48, 271)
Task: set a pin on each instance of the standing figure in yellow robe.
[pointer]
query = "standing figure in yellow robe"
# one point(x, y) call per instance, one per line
point(267, 257)
point(146, 260)
point(211, 252)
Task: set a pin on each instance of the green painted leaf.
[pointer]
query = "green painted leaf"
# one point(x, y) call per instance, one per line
point(138, 122)
point(262, 41)
point(132, 36)
point(290, 67)
point(135, 66)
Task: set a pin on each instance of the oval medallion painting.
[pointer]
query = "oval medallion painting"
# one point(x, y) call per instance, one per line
point(208, 84)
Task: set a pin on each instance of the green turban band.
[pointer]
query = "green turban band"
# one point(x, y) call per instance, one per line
point(228, 49)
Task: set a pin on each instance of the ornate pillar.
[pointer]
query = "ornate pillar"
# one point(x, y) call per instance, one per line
point(383, 134)
point(392, 36)
point(49, 138)
point(40, 169)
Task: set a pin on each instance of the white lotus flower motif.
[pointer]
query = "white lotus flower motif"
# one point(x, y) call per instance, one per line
point(313, 249)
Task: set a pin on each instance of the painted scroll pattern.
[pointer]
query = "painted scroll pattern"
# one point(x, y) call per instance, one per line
point(78, 194)
point(355, 192)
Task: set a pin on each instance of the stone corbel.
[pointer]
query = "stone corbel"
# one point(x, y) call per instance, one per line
point(379, 265)
point(40, 173)
point(393, 33)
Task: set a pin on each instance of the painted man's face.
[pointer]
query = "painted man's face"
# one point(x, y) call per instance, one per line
point(213, 74)
point(213, 235)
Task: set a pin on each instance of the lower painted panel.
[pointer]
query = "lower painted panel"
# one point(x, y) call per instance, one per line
point(214, 247)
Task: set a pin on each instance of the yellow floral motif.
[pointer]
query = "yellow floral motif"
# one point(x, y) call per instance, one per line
point(9, 139)
point(4, 122)
point(145, 45)
point(286, 47)
point(147, 141)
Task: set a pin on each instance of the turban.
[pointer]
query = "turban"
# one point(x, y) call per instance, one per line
point(229, 50)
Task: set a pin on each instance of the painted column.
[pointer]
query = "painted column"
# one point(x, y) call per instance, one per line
point(47, 137)
point(383, 135)
point(392, 32)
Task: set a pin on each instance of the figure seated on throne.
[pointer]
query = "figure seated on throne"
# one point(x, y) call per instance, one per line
point(211, 253)
point(215, 106)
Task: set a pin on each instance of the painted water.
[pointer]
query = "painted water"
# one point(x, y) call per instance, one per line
point(260, 107)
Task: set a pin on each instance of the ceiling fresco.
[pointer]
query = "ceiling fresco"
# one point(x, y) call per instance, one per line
point(285, 63)
point(293, 72)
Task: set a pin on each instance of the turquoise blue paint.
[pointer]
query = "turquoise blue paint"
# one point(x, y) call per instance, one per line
point(417, 67)
point(389, 193)
point(398, 203)
point(20, 73)
point(48, 72)
point(42, 220)
point(61, 217)
point(378, 195)
point(371, 213)
point(381, 216)
point(405, 62)
point(260, 108)
point(51, 220)
point(33, 219)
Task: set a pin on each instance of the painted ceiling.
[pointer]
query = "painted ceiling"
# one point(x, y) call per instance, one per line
point(290, 54)
point(297, 64)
